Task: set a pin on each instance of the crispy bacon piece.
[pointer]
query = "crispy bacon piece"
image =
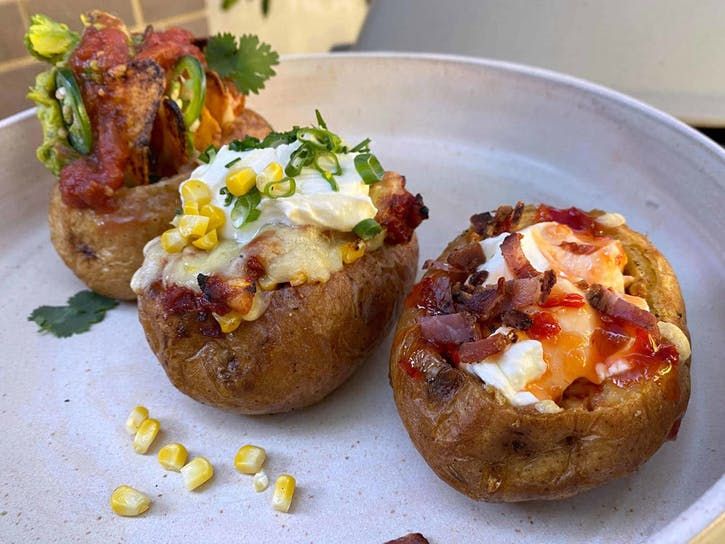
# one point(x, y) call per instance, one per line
point(485, 302)
point(432, 295)
point(410, 538)
point(573, 217)
point(477, 351)
point(529, 291)
point(399, 212)
point(517, 319)
point(167, 46)
point(467, 258)
point(515, 258)
point(447, 329)
point(609, 303)
point(503, 219)
point(578, 249)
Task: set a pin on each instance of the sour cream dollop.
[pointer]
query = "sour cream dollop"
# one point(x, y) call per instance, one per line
point(314, 202)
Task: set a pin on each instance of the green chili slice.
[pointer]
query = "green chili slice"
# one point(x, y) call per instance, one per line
point(369, 168)
point(188, 84)
point(367, 228)
point(75, 116)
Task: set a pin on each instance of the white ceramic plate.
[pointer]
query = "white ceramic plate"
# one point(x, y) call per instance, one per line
point(469, 135)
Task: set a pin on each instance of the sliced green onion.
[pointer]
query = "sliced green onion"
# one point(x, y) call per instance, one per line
point(314, 136)
point(369, 168)
point(367, 228)
point(300, 157)
point(276, 189)
point(232, 162)
point(245, 208)
point(362, 146)
point(320, 120)
point(208, 154)
point(329, 178)
point(275, 139)
point(328, 162)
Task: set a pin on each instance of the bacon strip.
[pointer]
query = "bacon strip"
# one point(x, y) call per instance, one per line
point(578, 249)
point(447, 329)
point(468, 257)
point(475, 352)
point(485, 302)
point(609, 303)
point(515, 258)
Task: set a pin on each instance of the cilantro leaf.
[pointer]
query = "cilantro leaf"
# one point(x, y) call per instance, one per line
point(83, 310)
point(247, 62)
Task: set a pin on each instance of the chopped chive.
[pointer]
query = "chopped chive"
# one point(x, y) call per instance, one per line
point(232, 162)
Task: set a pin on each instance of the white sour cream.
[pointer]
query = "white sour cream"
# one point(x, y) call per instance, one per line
point(314, 203)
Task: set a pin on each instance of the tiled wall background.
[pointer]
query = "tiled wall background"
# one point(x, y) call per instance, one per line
point(18, 69)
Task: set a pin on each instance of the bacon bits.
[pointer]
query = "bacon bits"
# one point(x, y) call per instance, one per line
point(609, 303)
point(447, 329)
point(515, 258)
point(474, 352)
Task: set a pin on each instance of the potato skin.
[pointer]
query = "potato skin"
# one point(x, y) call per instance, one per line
point(490, 450)
point(308, 341)
point(104, 249)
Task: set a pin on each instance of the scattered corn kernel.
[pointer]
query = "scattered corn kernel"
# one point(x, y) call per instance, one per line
point(145, 435)
point(284, 490)
point(173, 456)
point(137, 416)
point(196, 472)
point(215, 214)
point(249, 459)
point(208, 241)
point(196, 191)
point(240, 182)
point(260, 481)
point(173, 241)
point(266, 283)
point(126, 501)
point(272, 172)
point(352, 251)
point(229, 321)
point(191, 208)
point(193, 225)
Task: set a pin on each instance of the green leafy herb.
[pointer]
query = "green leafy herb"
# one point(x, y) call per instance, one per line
point(247, 62)
point(250, 142)
point(83, 310)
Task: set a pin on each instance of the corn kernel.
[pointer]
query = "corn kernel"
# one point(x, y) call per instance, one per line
point(191, 208)
point(126, 501)
point(195, 191)
point(193, 225)
point(267, 283)
point(260, 481)
point(240, 182)
point(215, 214)
point(352, 251)
point(173, 456)
point(137, 416)
point(272, 172)
point(145, 435)
point(228, 322)
point(298, 278)
point(196, 472)
point(284, 490)
point(172, 241)
point(249, 459)
point(208, 241)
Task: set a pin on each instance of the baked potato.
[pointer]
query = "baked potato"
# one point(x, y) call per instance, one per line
point(293, 289)
point(119, 112)
point(598, 405)
point(105, 248)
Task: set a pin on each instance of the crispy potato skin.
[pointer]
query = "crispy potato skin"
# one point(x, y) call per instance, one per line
point(490, 450)
point(105, 249)
point(308, 342)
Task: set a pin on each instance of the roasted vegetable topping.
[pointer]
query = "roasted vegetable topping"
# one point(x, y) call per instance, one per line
point(188, 86)
point(75, 117)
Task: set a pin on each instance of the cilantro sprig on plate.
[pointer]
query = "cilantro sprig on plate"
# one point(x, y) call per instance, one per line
point(247, 62)
point(83, 310)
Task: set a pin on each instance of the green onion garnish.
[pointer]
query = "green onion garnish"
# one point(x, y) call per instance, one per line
point(250, 142)
point(328, 162)
point(300, 157)
point(208, 154)
point(245, 208)
point(232, 162)
point(276, 189)
point(362, 146)
point(367, 228)
point(369, 168)
point(320, 120)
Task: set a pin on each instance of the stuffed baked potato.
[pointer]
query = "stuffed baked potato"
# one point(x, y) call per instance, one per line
point(541, 364)
point(274, 304)
point(121, 111)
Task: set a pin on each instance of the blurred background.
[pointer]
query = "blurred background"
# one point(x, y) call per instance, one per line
point(670, 53)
